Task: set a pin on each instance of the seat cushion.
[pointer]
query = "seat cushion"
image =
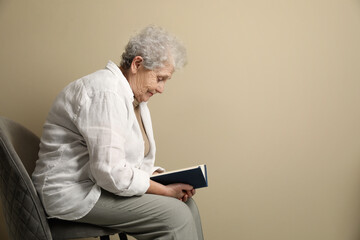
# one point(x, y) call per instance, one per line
point(61, 229)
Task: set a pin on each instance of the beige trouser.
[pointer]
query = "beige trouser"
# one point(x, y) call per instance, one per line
point(147, 217)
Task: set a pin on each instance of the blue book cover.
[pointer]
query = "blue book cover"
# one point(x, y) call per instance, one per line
point(195, 176)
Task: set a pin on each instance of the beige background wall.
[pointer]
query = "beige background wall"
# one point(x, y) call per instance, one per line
point(269, 100)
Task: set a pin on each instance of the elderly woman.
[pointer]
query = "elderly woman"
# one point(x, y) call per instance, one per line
point(97, 151)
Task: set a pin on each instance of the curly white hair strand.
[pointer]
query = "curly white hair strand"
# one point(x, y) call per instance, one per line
point(157, 47)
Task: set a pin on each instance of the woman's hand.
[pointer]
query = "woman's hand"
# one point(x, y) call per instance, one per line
point(180, 191)
point(177, 190)
point(188, 195)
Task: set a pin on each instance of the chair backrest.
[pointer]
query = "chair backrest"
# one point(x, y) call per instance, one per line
point(24, 214)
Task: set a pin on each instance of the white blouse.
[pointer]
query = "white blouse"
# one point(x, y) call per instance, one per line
point(92, 140)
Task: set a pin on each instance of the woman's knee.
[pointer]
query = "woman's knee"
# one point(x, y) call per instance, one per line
point(192, 205)
point(178, 214)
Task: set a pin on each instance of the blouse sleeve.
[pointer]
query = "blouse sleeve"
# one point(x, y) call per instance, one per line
point(104, 123)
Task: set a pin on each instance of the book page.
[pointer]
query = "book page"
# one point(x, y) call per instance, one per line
point(202, 167)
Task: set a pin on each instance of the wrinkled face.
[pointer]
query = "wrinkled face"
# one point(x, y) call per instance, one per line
point(145, 83)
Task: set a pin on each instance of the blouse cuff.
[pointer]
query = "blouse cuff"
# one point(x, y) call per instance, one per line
point(158, 169)
point(139, 185)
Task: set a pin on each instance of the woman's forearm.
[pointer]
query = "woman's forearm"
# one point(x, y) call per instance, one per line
point(157, 188)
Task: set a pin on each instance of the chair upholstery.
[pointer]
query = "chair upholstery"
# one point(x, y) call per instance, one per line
point(24, 213)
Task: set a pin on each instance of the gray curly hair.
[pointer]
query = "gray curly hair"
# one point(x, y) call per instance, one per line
point(157, 47)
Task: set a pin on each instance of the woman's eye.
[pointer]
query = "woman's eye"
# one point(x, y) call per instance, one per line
point(159, 79)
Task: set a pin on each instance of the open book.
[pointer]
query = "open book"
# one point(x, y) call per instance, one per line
point(195, 176)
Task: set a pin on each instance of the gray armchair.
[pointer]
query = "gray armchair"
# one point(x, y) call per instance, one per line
point(24, 213)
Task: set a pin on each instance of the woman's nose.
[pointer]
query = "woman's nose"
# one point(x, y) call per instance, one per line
point(160, 87)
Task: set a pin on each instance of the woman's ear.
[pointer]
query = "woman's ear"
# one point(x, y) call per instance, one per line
point(136, 63)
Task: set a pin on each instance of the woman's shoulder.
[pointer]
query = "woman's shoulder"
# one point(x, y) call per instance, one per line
point(102, 82)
